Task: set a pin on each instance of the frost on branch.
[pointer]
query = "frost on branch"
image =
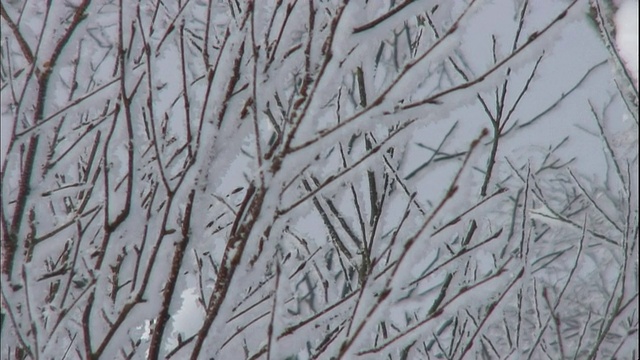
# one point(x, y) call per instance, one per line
point(315, 179)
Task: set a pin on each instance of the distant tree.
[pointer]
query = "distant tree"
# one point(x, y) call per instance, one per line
point(314, 179)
